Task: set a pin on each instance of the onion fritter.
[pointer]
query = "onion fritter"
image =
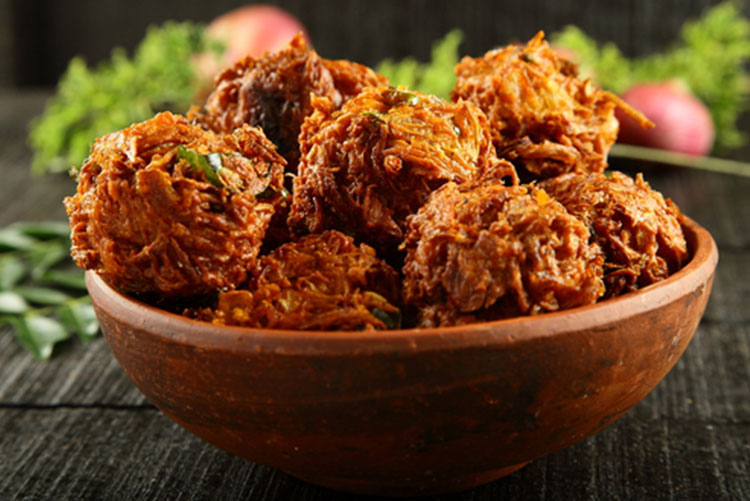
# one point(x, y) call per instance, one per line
point(167, 207)
point(274, 92)
point(351, 78)
point(366, 167)
point(638, 230)
point(320, 282)
point(489, 251)
point(544, 118)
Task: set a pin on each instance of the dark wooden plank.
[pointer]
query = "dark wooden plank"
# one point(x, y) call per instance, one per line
point(76, 375)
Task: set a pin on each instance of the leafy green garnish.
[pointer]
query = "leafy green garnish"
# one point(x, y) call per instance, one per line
point(376, 118)
point(711, 57)
point(79, 317)
point(212, 166)
point(92, 102)
point(12, 303)
point(42, 295)
point(39, 334)
point(208, 164)
point(391, 320)
point(435, 77)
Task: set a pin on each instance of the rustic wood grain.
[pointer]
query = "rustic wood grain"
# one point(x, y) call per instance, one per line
point(75, 427)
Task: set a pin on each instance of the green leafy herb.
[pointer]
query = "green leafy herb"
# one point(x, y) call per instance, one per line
point(44, 256)
point(14, 239)
point(212, 166)
point(43, 230)
point(12, 303)
point(435, 77)
point(209, 165)
point(68, 279)
point(42, 294)
point(39, 334)
point(391, 320)
point(92, 102)
point(79, 317)
point(711, 57)
point(376, 119)
point(12, 271)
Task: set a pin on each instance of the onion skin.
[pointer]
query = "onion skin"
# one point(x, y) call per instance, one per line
point(682, 123)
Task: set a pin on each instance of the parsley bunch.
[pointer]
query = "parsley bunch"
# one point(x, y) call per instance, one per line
point(120, 91)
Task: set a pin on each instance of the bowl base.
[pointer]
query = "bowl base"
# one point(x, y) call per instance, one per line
point(409, 488)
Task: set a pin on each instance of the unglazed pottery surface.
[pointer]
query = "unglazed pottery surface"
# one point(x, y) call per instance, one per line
point(410, 412)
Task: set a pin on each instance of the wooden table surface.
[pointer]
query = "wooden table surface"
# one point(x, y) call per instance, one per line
point(75, 427)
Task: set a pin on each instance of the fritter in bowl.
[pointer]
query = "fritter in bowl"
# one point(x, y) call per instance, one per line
point(543, 117)
point(368, 166)
point(320, 282)
point(166, 207)
point(638, 230)
point(274, 92)
point(485, 252)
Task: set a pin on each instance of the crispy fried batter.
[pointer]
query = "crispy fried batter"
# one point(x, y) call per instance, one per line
point(638, 230)
point(490, 251)
point(320, 282)
point(148, 219)
point(369, 165)
point(351, 78)
point(274, 91)
point(544, 118)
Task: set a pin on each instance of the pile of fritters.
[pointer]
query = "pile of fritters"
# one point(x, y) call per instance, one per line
point(307, 193)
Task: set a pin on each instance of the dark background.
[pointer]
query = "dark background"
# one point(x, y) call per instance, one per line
point(38, 37)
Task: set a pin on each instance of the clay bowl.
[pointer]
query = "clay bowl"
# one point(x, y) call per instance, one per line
point(410, 412)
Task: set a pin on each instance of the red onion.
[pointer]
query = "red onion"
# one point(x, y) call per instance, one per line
point(682, 122)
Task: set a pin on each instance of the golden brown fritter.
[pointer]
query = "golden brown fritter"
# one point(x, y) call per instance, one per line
point(483, 252)
point(638, 230)
point(167, 207)
point(366, 167)
point(320, 282)
point(273, 92)
point(544, 118)
point(351, 78)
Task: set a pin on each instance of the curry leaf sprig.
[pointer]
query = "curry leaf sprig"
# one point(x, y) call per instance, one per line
point(120, 91)
point(42, 295)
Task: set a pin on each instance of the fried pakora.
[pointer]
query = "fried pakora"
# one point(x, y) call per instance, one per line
point(166, 207)
point(320, 282)
point(638, 230)
point(351, 78)
point(274, 92)
point(366, 167)
point(484, 252)
point(544, 118)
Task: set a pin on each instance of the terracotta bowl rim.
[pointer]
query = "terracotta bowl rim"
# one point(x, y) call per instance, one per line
point(182, 330)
